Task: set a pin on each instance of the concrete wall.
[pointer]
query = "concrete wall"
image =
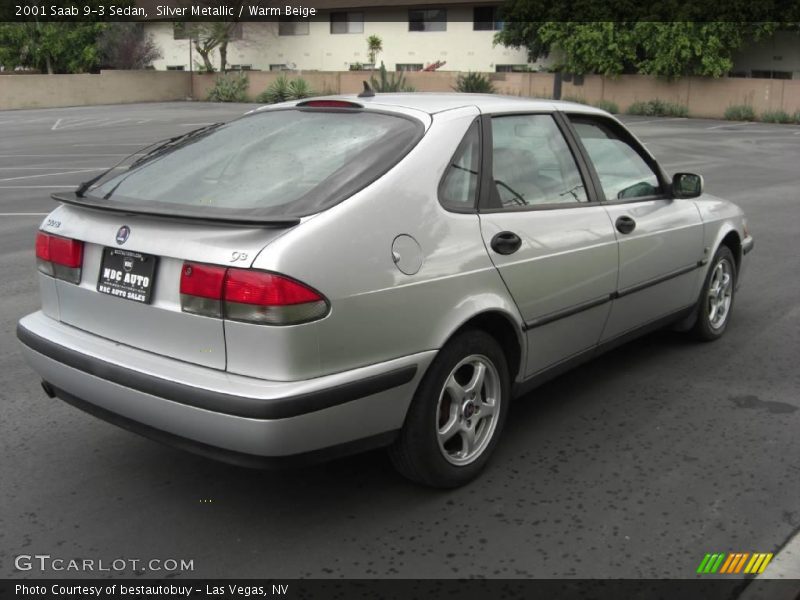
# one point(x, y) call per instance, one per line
point(704, 97)
point(109, 87)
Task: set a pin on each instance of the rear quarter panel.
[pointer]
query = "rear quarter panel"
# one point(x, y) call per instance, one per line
point(377, 312)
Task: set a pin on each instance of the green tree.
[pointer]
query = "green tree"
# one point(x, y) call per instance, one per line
point(667, 39)
point(209, 36)
point(374, 47)
point(51, 47)
point(126, 45)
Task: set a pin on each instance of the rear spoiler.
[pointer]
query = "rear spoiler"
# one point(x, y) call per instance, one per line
point(174, 214)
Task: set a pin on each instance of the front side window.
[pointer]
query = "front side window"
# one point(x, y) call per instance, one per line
point(460, 182)
point(532, 164)
point(623, 173)
point(281, 164)
point(427, 20)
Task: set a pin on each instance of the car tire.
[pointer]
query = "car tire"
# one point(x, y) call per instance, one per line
point(457, 413)
point(715, 305)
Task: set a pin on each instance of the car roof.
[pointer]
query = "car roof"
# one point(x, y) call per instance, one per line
point(432, 102)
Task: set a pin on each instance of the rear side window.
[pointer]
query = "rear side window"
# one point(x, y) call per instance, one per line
point(460, 183)
point(532, 164)
point(281, 164)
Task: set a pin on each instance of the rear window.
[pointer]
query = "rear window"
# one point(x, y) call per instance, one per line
point(273, 164)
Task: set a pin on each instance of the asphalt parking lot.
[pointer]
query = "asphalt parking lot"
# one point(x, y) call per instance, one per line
point(632, 466)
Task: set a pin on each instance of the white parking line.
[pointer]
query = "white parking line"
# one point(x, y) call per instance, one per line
point(49, 174)
point(140, 144)
point(23, 214)
point(193, 124)
point(65, 186)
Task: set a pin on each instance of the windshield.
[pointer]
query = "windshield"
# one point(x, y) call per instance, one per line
point(273, 164)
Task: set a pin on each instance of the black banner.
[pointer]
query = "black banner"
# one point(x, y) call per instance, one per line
point(711, 588)
point(781, 11)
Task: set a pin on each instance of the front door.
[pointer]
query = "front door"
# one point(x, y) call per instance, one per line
point(660, 238)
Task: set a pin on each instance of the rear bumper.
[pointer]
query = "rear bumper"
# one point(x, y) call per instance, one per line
point(229, 417)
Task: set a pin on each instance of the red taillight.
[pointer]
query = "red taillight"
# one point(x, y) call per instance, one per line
point(204, 281)
point(266, 289)
point(201, 289)
point(59, 257)
point(250, 296)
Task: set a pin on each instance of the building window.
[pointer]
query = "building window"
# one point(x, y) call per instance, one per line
point(347, 22)
point(279, 67)
point(484, 18)
point(241, 67)
point(292, 26)
point(771, 74)
point(512, 68)
point(408, 67)
point(176, 68)
point(427, 20)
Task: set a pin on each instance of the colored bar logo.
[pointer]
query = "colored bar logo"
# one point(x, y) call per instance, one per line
point(734, 562)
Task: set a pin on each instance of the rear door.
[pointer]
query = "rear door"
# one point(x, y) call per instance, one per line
point(660, 238)
point(554, 248)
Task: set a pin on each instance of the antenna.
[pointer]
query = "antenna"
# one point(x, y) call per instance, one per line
point(367, 93)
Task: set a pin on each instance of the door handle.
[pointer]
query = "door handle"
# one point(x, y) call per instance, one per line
point(506, 242)
point(625, 224)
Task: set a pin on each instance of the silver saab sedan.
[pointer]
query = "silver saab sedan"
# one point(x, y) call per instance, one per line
point(318, 278)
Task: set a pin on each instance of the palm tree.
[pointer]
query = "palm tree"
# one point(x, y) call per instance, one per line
point(374, 47)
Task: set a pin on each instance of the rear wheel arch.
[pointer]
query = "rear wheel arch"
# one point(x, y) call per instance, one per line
point(504, 330)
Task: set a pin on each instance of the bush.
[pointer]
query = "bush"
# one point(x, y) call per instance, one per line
point(740, 112)
point(658, 108)
point(282, 89)
point(229, 88)
point(299, 89)
point(576, 99)
point(474, 83)
point(277, 91)
point(796, 117)
point(386, 83)
point(776, 116)
point(608, 106)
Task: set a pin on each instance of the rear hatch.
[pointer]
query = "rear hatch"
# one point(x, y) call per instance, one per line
point(216, 197)
point(149, 316)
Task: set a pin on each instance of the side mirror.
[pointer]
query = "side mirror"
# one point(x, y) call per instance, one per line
point(687, 185)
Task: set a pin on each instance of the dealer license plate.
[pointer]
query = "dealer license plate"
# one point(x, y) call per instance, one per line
point(127, 275)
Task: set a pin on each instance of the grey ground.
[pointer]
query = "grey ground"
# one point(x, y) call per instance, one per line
point(635, 465)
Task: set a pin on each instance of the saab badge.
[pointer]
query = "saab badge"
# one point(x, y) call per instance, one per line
point(122, 234)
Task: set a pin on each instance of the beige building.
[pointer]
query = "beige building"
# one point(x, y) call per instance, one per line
point(456, 33)
point(415, 34)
